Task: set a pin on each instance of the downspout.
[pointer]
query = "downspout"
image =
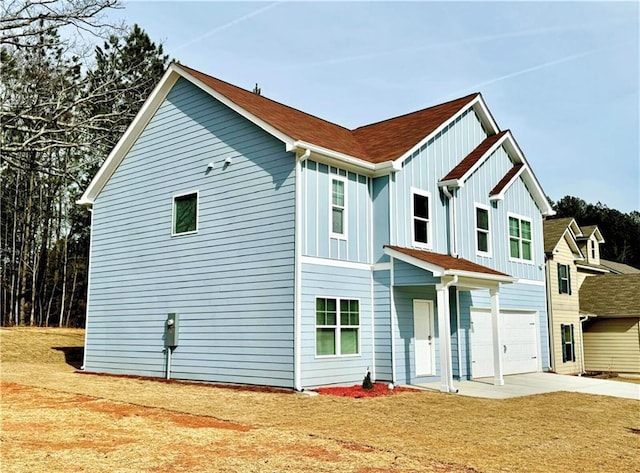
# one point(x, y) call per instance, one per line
point(453, 249)
point(297, 297)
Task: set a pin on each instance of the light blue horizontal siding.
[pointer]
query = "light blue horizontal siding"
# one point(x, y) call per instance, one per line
point(382, 311)
point(316, 220)
point(424, 169)
point(231, 283)
point(344, 283)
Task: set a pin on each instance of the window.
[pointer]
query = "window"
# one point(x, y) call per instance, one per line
point(337, 326)
point(421, 223)
point(338, 208)
point(564, 279)
point(520, 239)
point(593, 249)
point(185, 213)
point(568, 346)
point(482, 230)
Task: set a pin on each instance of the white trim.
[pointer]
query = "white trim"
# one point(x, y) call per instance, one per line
point(533, 243)
point(338, 326)
point(86, 315)
point(381, 266)
point(507, 186)
point(482, 276)
point(345, 206)
point(417, 244)
point(335, 263)
point(531, 282)
point(173, 213)
point(483, 158)
point(591, 268)
point(393, 315)
point(476, 205)
point(458, 334)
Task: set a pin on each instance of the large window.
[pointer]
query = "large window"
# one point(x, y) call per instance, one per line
point(185, 214)
point(568, 345)
point(338, 208)
point(520, 238)
point(564, 279)
point(421, 222)
point(483, 240)
point(337, 326)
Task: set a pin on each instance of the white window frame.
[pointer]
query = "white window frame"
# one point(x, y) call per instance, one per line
point(337, 328)
point(520, 259)
point(173, 213)
point(488, 231)
point(419, 244)
point(567, 279)
point(345, 213)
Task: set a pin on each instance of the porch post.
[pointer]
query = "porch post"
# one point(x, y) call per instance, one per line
point(444, 333)
point(498, 379)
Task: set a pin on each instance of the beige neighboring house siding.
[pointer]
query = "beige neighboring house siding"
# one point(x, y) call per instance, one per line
point(612, 345)
point(564, 309)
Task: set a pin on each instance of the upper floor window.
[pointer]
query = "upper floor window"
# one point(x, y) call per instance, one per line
point(564, 279)
point(338, 208)
point(483, 240)
point(185, 214)
point(520, 238)
point(421, 221)
point(593, 249)
point(337, 326)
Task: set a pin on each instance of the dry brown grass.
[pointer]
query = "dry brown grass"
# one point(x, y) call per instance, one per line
point(54, 419)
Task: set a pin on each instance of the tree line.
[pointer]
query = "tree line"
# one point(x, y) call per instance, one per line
point(65, 103)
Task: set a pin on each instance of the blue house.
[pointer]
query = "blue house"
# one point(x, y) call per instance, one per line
point(298, 253)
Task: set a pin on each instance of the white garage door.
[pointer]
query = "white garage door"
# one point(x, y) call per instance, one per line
point(518, 338)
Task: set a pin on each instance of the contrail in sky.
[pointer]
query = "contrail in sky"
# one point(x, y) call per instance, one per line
point(217, 29)
point(461, 42)
point(527, 70)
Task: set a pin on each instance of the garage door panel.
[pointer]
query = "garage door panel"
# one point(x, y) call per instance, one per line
point(519, 346)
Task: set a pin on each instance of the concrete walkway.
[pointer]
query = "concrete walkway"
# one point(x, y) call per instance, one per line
point(518, 385)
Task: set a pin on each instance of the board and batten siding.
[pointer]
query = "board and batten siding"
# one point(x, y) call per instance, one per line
point(341, 283)
point(612, 345)
point(232, 282)
point(423, 169)
point(316, 214)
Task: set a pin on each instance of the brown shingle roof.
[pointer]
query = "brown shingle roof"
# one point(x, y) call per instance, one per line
point(611, 295)
point(376, 143)
point(472, 158)
point(553, 229)
point(506, 179)
point(446, 262)
point(618, 268)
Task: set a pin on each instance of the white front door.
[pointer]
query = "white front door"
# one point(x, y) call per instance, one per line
point(424, 348)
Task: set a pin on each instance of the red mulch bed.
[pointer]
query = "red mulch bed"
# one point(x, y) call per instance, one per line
point(357, 391)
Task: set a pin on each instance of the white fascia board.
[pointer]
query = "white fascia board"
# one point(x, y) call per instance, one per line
point(500, 195)
point(477, 100)
point(575, 228)
point(481, 276)
point(483, 158)
point(432, 268)
point(236, 108)
point(450, 183)
point(130, 136)
point(568, 236)
point(591, 268)
point(485, 116)
point(600, 238)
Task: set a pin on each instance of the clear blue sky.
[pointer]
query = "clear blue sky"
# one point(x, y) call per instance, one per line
point(564, 77)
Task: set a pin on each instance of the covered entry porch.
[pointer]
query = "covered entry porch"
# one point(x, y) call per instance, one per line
point(425, 306)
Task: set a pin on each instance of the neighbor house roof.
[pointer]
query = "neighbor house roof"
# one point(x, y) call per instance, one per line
point(555, 229)
point(618, 268)
point(589, 230)
point(442, 264)
point(611, 295)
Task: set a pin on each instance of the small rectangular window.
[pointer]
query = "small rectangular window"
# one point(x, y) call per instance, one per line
point(482, 230)
point(185, 213)
point(338, 208)
point(568, 345)
point(564, 279)
point(520, 239)
point(337, 326)
point(421, 221)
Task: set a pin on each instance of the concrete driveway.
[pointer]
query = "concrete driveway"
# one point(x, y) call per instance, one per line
point(518, 385)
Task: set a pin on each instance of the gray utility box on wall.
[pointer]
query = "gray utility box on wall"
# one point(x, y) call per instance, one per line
point(171, 331)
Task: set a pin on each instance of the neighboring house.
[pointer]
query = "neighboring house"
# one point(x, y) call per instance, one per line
point(611, 304)
point(299, 253)
point(618, 268)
